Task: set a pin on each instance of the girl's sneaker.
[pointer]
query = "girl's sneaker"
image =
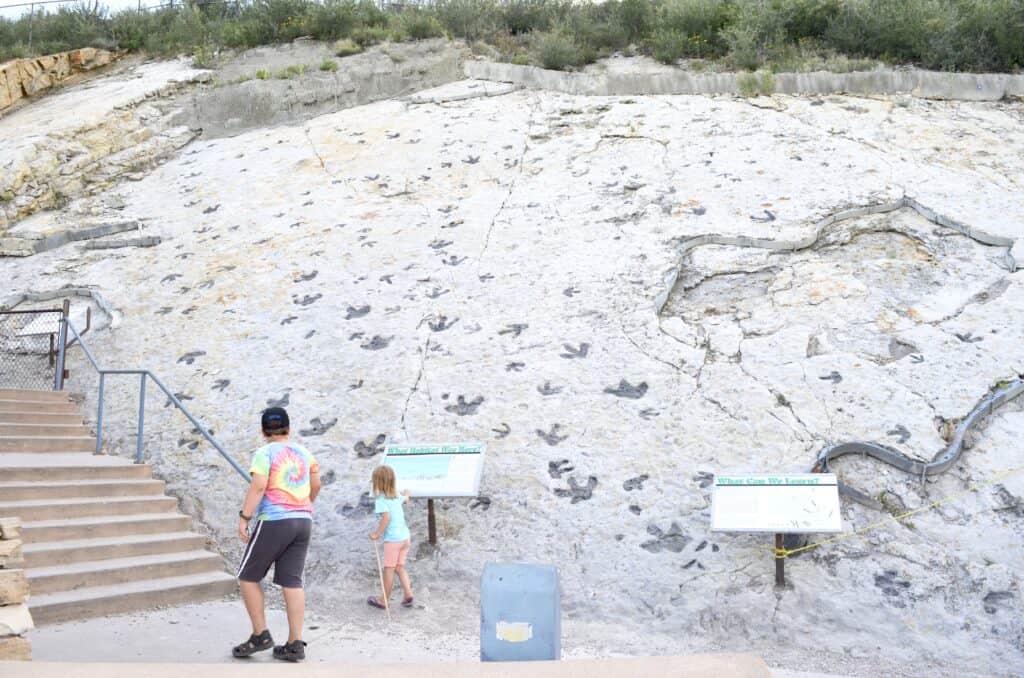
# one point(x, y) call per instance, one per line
point(408, 602)
point(291, 652)
point(374, 601)
point(256, 643)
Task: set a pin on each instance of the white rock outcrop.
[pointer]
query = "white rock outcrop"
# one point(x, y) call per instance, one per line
point(605, 291)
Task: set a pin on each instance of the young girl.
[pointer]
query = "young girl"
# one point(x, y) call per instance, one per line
point(395, 532)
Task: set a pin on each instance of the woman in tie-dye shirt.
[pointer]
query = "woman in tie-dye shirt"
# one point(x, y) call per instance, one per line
point(285, 481)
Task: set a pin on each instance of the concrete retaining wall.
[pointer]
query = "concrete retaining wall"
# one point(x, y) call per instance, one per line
point(382, 73)
point(926, 84)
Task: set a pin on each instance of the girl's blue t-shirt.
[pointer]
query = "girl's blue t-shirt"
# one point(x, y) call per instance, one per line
point(396, 530)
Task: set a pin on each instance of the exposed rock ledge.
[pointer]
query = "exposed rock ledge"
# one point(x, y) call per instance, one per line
point(27, 77)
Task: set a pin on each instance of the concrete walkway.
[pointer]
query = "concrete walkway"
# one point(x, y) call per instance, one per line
point(721, 666)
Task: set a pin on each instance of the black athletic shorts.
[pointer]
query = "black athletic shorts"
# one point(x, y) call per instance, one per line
point(282, 543)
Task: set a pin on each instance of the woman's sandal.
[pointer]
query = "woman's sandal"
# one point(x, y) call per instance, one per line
point(408, 602)
point(256, 643)
point(374, 601)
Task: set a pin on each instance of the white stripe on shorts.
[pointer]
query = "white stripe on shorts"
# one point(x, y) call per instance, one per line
point(249, 548)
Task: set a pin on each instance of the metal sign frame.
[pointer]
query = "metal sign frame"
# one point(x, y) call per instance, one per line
point(776, 482)
point(444, 449)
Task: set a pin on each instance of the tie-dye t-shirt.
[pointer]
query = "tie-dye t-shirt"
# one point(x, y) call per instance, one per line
point(287, 467)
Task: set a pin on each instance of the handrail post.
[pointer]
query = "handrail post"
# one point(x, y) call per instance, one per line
point(142, 417)
point(99, 416)
point(62, 342)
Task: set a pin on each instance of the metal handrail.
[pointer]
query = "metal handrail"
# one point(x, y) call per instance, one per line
point(143, 375)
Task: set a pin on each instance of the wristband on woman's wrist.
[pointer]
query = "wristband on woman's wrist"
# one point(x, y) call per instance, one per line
point(243, 516)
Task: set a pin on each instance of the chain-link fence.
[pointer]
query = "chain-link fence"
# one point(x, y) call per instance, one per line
point(29, 348)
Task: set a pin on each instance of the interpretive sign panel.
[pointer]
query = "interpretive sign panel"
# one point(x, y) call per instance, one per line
point(437, 470)
point(790, 504)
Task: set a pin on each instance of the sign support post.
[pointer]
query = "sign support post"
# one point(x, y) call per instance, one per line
point(435, 471)
point(431, 523)
point(779, 504)
point(780, 562)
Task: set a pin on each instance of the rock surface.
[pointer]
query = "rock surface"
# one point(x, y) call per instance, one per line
point(603, 289)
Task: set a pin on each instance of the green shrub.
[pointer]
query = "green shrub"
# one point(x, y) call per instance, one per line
point(332, 20)
point(755, 84)
point(558, 51)
point(521, 59)
point(263, 74)
point(328, 65)
point(701, 21)
point(202, 57)
point(365, 36)
point(979, 35)
point(469, 19)
point(346, 47)
point(668, 45)
point(634, 17)
point(420, 25)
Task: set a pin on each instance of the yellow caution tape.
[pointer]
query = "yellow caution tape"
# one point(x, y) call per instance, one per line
point(785, 553)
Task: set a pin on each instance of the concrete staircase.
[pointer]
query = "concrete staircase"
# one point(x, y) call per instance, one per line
point(100, 535)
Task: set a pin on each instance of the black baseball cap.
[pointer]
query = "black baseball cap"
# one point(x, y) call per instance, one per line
point(274, 418)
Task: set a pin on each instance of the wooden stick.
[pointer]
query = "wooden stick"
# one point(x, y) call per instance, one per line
point(380, 573)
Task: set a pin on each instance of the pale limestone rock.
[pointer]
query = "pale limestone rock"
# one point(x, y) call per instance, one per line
point(10, 528)
point(10, 553)
point(13, 587)
point(460, 276)
point(15, 648)
point(15, 620)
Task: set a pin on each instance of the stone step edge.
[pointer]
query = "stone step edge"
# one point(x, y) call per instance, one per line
point(67, 544)
point(122, 590)
point(92, 566)
point(80, 501)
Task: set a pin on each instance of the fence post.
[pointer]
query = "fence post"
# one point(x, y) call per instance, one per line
point(62, 341)
point(99, 416)
point(142, 417)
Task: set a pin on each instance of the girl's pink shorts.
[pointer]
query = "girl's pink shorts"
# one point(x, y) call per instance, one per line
point(395, 553)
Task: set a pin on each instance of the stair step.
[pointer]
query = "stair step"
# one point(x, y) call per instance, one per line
point(29, 466)
point(39, 418)
point(47, 444)
point(58, 430)
point(95, 601)
point(44, 580)
point(48, 509)
point(26, 490)
point(49, 554)
point(104, 526)
point(29, 407)
point(24, 395)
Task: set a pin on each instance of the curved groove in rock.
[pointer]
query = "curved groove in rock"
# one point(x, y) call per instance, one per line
point(939, 463)
point(1009, 261)
point(947, 457)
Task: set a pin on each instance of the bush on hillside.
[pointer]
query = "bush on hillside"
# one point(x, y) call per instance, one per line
point(979, 35)
point(557, 51)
